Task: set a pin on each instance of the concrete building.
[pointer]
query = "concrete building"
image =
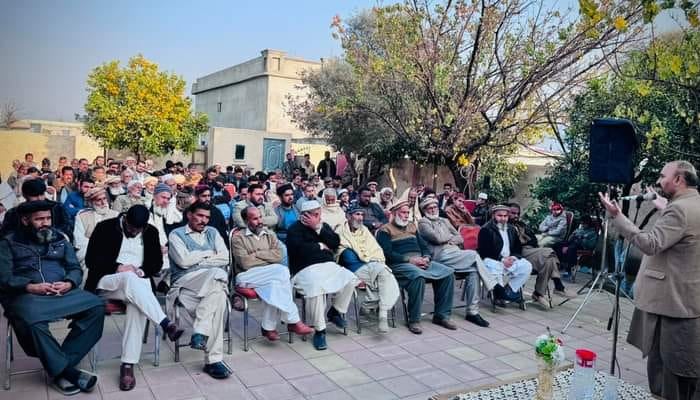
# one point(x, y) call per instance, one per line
point(246, 108)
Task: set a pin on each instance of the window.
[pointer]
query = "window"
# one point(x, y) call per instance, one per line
point(239, 153)
point(65, 132)
point(36, 128)
point(218, 107)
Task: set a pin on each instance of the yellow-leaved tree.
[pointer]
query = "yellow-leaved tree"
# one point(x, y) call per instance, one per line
point(141, 109)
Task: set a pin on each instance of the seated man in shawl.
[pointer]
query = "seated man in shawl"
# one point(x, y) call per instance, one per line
point(122, 257)
point(199, 282)
point(457, 213)
point(444, 243)
point(554, 227)
point(257, 256)
point(544, 260)
point(409, 258)
point(360, 253)
point(331, 213)
point(39, 283)
point(87, 219)
point(501, 250)
point(312, 247)
point(374, 216)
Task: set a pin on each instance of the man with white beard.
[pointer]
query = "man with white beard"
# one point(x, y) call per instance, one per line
point(98, 210)
point(162, 213)
point(408, 257)
point(444, 243)
point(114, 188)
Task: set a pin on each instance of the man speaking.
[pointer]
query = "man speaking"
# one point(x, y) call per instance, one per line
point(666, 321)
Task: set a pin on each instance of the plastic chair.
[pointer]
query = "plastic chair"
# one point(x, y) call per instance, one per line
point(470, 235)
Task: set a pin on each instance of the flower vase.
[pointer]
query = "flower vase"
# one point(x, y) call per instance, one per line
point(545, 381)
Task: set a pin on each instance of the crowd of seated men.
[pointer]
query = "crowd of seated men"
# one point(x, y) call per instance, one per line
point(81, 243)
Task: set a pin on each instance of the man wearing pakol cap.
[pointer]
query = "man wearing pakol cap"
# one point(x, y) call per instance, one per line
point(162, 214)
point(34, 190)
point(409, 258)
point(199, 261)
point(372, 186)
point(149, 186)
point(39, 283)
point(258, 256)
point(553, 228)
point(131, 198)
point(501, 250)
point(87, 219)
point(481, 212)
point(312, 247)
point(122, 258)
point(445, 245)
point(331, 213)
point(114, 188)
point(360, 253)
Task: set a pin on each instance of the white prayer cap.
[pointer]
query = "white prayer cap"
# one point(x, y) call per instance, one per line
point(483, 196)
point(310, 205)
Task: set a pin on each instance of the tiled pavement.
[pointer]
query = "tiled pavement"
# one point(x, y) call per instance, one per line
point(367, 366)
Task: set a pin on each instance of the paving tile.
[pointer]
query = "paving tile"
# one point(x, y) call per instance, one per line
point(466, 353)
point(411, 365)
point(436, 379)
point(404, 385)
point(465, 372)
point(329, 363)
point(175, 390)
point(518, 361)
point(226, 390)
point(360, 357)
point(245, 360)
point(337, 394)
point(440, 359)
point(295, 369)
point(391, 352)
point(136, 393)
point(277, 391)
point(493, 366)
point(371, 391)
point(348, 377)
point(163, 375)
point(259, 376)
point(492, 349)
point(381, 370)
point(313, 384)
point(514, 345)
point(340, 345)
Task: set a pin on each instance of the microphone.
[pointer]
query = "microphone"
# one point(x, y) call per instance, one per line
point(640, 197)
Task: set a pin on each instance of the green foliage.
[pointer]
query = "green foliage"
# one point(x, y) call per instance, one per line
point(658, 90)
point(439, 81)
point(504, 174)
point(141, 109)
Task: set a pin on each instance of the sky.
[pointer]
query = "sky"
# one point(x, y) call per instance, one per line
point(48, 47)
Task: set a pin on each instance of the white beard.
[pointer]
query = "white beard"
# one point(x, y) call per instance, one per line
point(400, 222)
point(159, 211)
point(101, 210)
point(432, 217)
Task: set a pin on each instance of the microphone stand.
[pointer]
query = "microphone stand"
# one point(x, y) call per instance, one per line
point(618, 276)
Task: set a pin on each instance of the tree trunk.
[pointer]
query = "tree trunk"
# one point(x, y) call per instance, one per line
point(460, 181)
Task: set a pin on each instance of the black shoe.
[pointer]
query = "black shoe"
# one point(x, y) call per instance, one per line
point(334, 316)
point(477, 320)
point(174, 332)
point(162, 287)
point(320, 340)
point(498, 292)
point(64, 387)
point(510, 295)
point(217, 370)
point(199, 342)
point(500, 303)
point(86, 381)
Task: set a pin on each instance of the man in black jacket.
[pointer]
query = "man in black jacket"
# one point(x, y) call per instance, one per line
point(500, 247)
point(312, 246)
point(39, 283)
point(35, 190)
point(122, 257)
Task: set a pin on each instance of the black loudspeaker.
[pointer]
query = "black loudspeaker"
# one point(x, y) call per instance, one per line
point(487, 182)
point(613, 144)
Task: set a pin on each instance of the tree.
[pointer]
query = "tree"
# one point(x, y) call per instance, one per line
point(658, 89)
point(141, 109)
point(440, 82)
point(8, 115)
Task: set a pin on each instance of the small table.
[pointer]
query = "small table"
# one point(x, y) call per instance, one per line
point(525, 389)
